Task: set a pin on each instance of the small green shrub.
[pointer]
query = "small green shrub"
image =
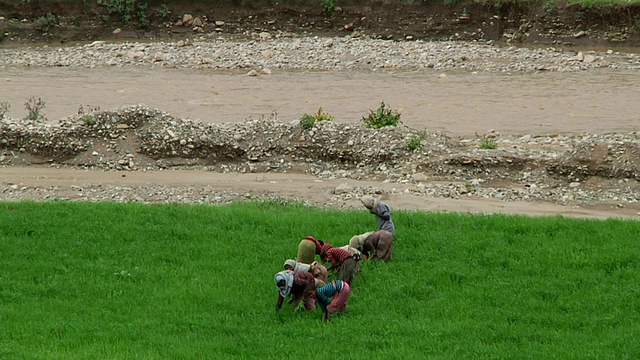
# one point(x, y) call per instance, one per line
point(328, 6)
point(141, 15)
point(46, 22)
point(3, 31)
point(382, 117)
point(415, 140)
point(129, 11)
point(414, 143)
point(88, 119)
point(163, 12)
point(87, 116)
point(4, 108)
point(13, 23)
point(308, 121)
point(468, 185)
point(34, 109)
point(489, 144)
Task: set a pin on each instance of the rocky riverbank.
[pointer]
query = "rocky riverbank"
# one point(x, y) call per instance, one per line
point(569, 170)
point(268, 52)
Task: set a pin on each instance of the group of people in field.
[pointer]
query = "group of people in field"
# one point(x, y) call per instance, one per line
point(309, 283)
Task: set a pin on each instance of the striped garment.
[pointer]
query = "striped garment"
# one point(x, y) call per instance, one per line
point(337, 256)
point(325, 293)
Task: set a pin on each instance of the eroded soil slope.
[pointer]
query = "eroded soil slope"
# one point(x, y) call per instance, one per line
point(527, 23)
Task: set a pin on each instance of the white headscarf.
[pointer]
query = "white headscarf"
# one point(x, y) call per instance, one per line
point(352, 250)
point(297, 266)
point(368, 201)
point(358, 240)
point(287, 276)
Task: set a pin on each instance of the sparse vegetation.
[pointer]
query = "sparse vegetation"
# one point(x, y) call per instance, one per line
point(468, 185)
point(383, 116)
point(34, 109)
point(489, 144)
point(88, 119)
point(4, 108)
point(328, 6)
point(129, 11)
point(163, 12)
point(415, 140)
point(308, 121)
point(3, 30)
point(87, 116)
point(46, 22)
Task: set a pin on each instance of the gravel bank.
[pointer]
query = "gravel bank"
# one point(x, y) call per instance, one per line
point(568, 170)
point(284, 51)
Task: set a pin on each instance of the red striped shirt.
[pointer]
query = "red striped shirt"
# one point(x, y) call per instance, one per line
point(337, 256)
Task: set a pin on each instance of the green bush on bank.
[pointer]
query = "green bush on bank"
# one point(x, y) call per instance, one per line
point(129, 11)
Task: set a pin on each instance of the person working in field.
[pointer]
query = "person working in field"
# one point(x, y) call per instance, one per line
point(308, 248)
point(333, 297)
point(382, 213)
point(342, 261)
point(374, 245)
point(299, 284)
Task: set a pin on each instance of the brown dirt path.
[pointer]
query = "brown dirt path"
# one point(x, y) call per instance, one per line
point(291, 186)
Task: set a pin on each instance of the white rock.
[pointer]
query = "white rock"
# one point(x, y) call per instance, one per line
point(343, 189)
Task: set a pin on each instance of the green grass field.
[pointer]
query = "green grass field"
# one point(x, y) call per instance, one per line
point(133, 281)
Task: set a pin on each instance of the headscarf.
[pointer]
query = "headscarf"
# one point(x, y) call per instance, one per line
point(350, 249)
point(368, 201)
point(297, 266)
point(287, 276)
point(358, 240)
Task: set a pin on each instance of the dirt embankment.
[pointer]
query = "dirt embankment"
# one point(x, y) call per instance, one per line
point(528, 23)
point(330, 164)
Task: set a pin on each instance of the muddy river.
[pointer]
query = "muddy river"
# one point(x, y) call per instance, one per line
point(458, 103)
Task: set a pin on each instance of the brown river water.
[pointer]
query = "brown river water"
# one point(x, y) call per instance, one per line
point(458, 103)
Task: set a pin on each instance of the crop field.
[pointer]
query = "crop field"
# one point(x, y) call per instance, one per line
point(135, 281)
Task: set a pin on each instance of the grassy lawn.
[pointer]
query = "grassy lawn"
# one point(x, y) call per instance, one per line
point(133, 281)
